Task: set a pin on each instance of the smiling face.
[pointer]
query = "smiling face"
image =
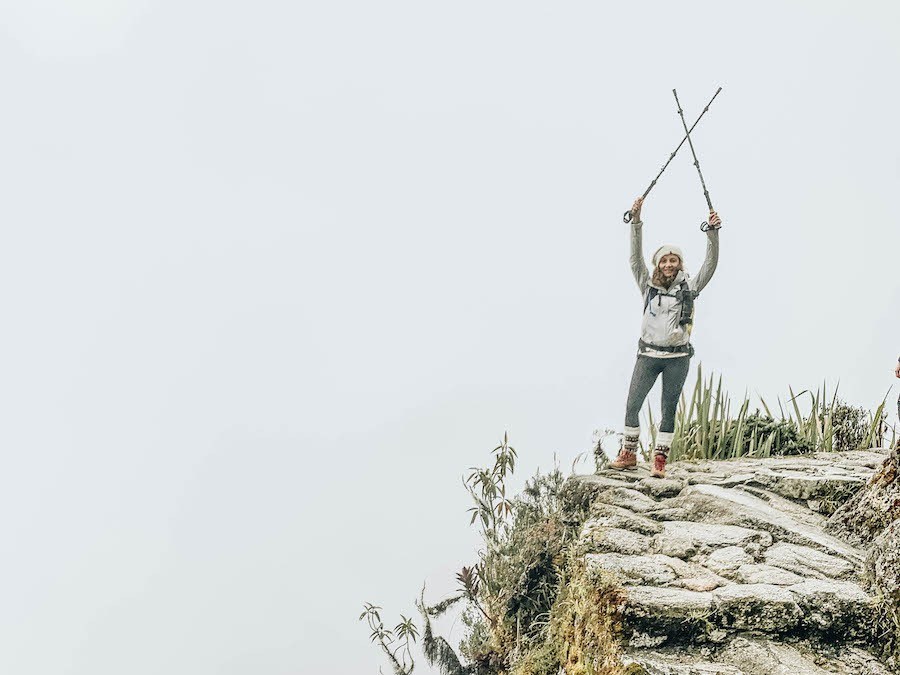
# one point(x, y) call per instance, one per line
point(669, 265)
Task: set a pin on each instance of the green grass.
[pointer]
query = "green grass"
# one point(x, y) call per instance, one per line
point(711, 425)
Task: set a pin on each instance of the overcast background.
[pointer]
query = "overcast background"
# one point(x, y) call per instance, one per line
point(275, 274)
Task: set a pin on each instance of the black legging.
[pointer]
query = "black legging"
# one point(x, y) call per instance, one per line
point(646, 370)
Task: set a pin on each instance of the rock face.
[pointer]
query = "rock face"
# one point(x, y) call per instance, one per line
point(728, 568)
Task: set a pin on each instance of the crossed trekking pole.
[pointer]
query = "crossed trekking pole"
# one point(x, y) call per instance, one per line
point(687, 137)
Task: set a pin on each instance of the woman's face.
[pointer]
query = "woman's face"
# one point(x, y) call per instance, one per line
point(669, 265)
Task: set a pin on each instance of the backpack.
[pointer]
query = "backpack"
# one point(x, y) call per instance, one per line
point(685, 295)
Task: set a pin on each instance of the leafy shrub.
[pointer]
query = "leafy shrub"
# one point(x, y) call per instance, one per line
point(849, 424)
point(531, 605)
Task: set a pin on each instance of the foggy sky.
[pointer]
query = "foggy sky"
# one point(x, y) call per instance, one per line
point(276, 274)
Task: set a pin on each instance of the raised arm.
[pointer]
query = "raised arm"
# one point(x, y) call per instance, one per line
point(638, 266)
point(712, 253)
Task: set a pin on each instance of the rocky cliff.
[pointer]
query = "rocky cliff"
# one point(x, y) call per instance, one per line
point(730, 567)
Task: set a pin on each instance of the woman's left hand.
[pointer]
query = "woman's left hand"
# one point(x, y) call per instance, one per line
point(714, 220)
point(897, 370)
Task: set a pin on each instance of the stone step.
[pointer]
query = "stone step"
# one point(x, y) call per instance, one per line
point(614, 532)
point(724, 506)
point(656, 570)
point(752, 655)
point(810, 562)
point(727, 567)
point(667, 614)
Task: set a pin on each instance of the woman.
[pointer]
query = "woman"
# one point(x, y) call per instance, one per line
point(664, 347)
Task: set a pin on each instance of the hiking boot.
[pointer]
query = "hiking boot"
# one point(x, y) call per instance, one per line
point(659, 466)
point(627, 459)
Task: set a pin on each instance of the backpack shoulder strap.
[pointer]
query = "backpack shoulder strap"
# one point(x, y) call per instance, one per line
point(651, 293)
point(685, 288)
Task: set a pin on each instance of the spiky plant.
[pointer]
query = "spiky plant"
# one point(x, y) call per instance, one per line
point(706, 428)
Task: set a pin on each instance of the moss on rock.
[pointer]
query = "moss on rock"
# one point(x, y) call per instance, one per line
point(586, 621)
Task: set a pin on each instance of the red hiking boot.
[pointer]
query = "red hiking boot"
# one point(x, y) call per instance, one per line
point(659, 466)
point(627, 459)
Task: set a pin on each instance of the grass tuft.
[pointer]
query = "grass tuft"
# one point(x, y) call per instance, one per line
point(710, 425)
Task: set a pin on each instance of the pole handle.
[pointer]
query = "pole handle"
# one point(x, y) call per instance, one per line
point(706, 227)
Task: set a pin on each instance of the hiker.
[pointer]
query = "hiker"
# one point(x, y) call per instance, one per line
point(664, 346)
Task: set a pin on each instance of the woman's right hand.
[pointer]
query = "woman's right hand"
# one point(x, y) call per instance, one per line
point(636, 210)
point(897, 369)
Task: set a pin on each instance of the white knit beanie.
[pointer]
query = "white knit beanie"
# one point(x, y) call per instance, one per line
point(666, 249)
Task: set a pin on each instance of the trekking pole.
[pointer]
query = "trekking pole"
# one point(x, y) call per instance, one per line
point(704, 226)
point(627, 217)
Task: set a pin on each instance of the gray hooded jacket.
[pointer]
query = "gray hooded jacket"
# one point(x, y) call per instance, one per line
point(660, 325)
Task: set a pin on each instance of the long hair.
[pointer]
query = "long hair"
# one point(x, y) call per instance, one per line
point(659, 278)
